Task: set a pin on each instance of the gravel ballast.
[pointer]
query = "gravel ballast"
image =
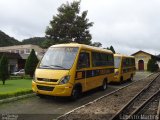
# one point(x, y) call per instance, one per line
point(108, 106)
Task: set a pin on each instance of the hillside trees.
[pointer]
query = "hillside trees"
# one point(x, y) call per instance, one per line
point(6, 40)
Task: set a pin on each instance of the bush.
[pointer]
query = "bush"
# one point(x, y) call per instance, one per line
point(152, 66)
point(31, 63)
point(4, 74)
point(16, 77)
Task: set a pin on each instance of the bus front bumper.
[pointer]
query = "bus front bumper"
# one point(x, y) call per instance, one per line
point(52, 90)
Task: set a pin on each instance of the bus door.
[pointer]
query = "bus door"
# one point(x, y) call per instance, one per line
point(83, 69)
point(125, 69)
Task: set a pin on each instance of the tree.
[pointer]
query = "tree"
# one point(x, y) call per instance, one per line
point(4, 74)
point(111, 48)
point(34, 40)
point(96, 44)
point(152, 66)
point(47, 43)
point(31, 63)
point(69, 25)
point(6, 40)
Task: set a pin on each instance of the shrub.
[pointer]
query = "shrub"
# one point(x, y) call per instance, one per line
point(31, 63)
point(4, 74)
point(152, 66)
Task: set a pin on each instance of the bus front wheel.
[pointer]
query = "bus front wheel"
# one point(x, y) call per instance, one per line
point(76, 93)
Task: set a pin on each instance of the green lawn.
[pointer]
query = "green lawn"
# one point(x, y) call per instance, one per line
point(15, 87)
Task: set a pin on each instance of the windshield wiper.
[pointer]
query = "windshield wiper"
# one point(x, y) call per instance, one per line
point(51, 66)
point(58, 66)
point(45, 66)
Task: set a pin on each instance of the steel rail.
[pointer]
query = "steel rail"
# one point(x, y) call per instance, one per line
point(137, 111)
point(119, 115)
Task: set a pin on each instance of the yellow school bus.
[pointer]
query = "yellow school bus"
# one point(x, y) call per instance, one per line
point(71, 69)
point(124, 67)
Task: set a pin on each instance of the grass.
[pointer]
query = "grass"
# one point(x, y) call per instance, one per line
point(20, 77)
point(15, 88)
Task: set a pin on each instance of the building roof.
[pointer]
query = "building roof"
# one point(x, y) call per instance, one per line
point(140, 51)
point(18, 46)
point(24, 56)
point(125, 56)
point(153, 56)
point(10, 55)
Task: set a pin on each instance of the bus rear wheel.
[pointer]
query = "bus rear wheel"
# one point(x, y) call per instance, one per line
point(131, 78)
point(121, 80)
point(104, 85)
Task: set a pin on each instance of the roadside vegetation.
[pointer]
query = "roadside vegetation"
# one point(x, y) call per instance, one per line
point(31, 63)
point(152, 65)
point(12, 86)
point(4, 74)
point(15, 88)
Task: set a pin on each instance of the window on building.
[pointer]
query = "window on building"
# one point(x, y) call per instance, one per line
point(22, 52)
point(17, 51)
point(28, 51)
point(12, 51)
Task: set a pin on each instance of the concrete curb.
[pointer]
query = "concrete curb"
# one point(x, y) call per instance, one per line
point(17, 98)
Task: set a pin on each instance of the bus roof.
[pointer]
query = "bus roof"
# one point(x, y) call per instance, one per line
point(82, 46)
point(126, 56)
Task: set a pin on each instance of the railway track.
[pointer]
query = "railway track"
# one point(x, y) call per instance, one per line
point(91, 106)
point(144, 106)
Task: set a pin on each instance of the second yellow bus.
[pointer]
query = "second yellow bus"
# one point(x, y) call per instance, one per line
point(124, 68)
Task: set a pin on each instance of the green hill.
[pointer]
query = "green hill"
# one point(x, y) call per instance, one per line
point(6, 40)
point(35, 41)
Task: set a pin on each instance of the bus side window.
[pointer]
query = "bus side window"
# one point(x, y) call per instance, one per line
point(123, 62)
point(83, 61)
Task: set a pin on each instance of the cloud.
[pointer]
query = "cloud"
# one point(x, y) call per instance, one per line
point(27, 18)
point(128, 25)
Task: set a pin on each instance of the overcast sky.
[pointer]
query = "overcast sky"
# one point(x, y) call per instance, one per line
point(128, 25)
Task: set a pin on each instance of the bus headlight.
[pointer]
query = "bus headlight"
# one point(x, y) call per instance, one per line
point(64, 80)
point(116, 73)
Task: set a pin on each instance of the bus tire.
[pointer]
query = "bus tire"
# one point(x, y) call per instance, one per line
point(104, 85)
point(121, 80)
point(76, 92)
point(131, 78)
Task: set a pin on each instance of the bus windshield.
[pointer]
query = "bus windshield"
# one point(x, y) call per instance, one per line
point(59, 58)
point(117, 61)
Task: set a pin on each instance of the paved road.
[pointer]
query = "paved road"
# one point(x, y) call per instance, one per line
point(50, 107)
